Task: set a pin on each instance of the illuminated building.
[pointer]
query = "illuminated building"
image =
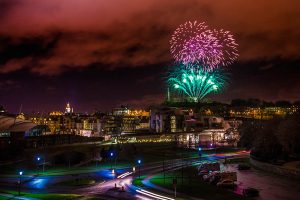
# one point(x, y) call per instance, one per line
point(55, 113)
point(262, 113)
point(120, 111)
point(15, 130)
point(68, 109)
point(131, 121)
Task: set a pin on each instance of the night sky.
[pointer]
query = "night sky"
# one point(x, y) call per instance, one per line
point(98, 54)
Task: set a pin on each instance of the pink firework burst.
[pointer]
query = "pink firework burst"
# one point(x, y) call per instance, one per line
point(193, 42)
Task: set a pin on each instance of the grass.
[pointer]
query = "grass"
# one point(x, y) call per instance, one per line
point(138, 181)
point(44, 196)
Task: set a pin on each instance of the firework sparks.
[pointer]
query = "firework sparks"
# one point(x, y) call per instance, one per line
point(193, 42)
point(195, 84)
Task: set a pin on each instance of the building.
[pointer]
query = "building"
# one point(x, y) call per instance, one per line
point(68, 109)
point(262, 113)
point(14, 130)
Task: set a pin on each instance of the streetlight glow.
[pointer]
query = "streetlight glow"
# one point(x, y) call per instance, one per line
point(21, 173)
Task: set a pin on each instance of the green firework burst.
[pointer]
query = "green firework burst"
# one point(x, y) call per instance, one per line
point(195, 84)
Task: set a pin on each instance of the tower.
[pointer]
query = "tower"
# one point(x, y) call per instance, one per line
point(68, 108)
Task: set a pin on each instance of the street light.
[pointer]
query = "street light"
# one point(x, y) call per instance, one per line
point(111, 156)
point(20, 176)
point(38, 163)
point(139, 164)
point(40, 159)
point(200, 151)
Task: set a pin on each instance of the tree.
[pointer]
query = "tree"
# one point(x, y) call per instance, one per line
point(254, 102)
point(266, 145)
point(267, 104)
point(283, 103)
point(288, 133)
point(248, 131)
point(238, 102)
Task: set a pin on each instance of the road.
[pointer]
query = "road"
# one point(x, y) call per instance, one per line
point(270, 186)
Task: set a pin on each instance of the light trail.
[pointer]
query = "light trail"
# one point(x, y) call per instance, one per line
point(124, 175)
point(151, 194)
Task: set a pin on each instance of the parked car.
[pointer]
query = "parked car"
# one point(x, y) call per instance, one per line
point(250, 192)
point(203, 172)
point(243, 167)
point(226, 183)
point(207, 177)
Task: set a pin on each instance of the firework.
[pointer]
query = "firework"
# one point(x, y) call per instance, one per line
point(195, 84)
point(228, 46)
point(193, 42)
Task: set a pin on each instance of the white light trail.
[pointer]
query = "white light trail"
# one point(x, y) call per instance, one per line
point(124, 175)
point(151, 194)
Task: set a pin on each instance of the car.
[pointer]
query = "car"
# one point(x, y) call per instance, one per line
point(243, 167)
point(250, 192)
point(226, 183)
point(203, 172)
point(207, 177)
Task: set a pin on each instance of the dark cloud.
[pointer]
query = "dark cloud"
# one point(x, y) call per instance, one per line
point(270, 80)
point(106, 33)
point(98, 54)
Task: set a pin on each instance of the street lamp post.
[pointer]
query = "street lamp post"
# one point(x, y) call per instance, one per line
point(200, 152)
point(41, 159)
point(111, 156)
point(20, 176)
point(139, 164)
point(38, 163)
